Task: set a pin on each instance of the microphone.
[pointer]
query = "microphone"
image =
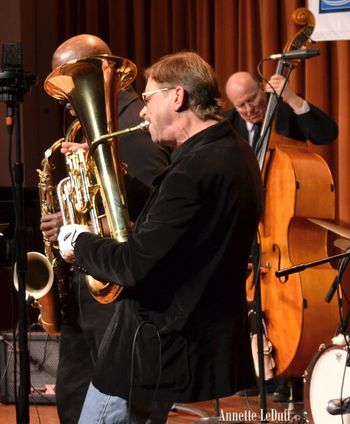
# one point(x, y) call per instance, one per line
point(12, 56)
point(296, 54)
point(343, 264)
point(332, 289)
point(14, 80)
point(338, 406)
point(11, 64)
point(292, 270)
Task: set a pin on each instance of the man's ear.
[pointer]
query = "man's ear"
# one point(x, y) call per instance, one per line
point(180, 98)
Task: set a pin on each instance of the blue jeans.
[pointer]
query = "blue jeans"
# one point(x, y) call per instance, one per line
point(99, 408)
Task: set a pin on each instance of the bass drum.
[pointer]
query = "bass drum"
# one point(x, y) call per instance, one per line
point(326, 378)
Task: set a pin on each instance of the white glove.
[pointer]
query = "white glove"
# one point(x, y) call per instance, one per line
point(67, 238)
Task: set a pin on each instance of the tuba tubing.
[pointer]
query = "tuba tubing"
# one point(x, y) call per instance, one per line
point(92, 85)
point(142, 126)
point(77, 202)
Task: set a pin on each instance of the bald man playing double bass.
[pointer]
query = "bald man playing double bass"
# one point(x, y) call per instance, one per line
point(296, 119)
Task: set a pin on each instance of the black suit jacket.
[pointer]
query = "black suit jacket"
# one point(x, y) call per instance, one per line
point(315, 125)
point(184, 272)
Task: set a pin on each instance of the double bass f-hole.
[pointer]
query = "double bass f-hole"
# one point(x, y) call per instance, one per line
point(275, 247)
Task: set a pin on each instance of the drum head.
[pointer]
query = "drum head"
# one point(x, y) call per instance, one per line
point(327, 378)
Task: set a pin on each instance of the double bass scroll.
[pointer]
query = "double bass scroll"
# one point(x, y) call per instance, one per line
point(302, 17)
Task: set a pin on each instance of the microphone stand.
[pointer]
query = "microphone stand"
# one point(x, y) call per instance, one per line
point(20, 258)
point(297, 268)
point(14, 83)
point(256, 259)
point(345, 258)
point(260, 151)
point(284, 67)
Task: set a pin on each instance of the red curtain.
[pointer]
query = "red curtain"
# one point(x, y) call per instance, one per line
point(231, 34)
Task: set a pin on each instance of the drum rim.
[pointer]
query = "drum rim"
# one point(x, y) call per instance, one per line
point(308, 372)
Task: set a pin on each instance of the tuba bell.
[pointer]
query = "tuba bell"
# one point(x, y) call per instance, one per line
point(92, 85)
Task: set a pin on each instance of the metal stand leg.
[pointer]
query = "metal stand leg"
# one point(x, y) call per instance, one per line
point(257, 298)
point(217, 407)
point(195, 411)
point(189, 409)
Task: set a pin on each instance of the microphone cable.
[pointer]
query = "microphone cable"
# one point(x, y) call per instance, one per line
point(132, 372)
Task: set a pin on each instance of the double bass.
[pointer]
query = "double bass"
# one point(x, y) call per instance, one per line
point(298, 186)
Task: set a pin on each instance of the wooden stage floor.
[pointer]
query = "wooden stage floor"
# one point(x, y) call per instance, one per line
point(234, 409)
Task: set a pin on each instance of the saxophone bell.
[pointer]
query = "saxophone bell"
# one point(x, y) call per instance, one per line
point(39, 275)
point(39, 279)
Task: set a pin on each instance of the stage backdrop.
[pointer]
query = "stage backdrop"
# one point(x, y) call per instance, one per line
point(231, 34)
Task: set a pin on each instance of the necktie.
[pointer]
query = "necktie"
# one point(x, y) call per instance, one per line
point(256, 134)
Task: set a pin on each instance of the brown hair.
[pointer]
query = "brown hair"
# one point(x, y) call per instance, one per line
point(196, 76)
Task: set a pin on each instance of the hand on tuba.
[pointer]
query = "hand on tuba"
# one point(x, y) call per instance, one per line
point(67, 238)
point(69, 147)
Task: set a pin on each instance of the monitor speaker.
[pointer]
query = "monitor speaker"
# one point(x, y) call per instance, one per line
point(43, 360)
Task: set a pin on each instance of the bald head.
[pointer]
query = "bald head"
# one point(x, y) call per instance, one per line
point(246, 94)
point(240, 83)
point(83, 45)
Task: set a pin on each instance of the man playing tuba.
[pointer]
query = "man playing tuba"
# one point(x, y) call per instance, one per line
point(180, 331)
point(85, 320)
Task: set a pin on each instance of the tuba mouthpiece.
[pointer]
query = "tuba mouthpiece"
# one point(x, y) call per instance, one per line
point(144, 125)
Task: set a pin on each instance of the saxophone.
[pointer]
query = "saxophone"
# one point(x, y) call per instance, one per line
point(47, 275)
point(50, 305)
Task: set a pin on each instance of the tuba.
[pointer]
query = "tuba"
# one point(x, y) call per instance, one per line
point(77, 194)
point(91, 85)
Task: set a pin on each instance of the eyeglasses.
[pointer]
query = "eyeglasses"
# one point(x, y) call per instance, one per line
point(251, 102)
point(147, 94)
